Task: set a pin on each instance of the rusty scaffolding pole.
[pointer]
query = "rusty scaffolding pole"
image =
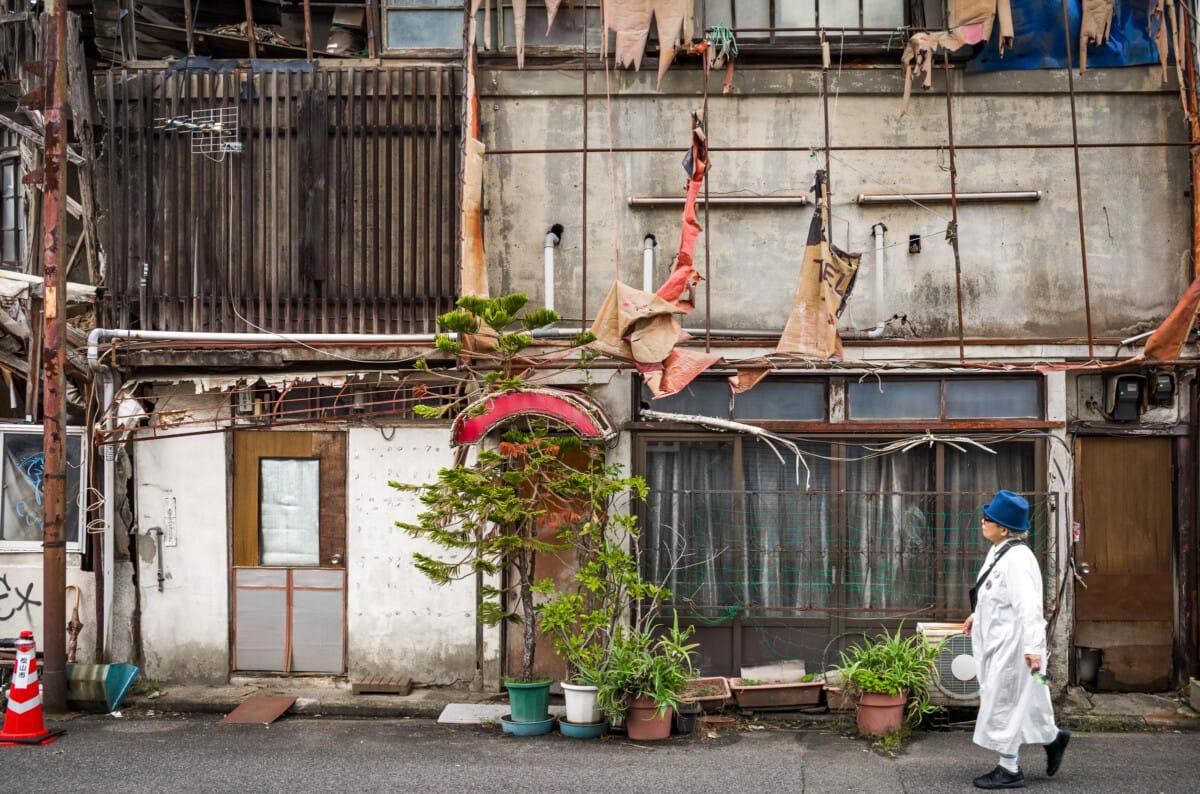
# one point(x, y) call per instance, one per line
point(54, 318)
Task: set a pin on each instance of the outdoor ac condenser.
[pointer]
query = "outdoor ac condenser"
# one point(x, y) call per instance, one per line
point(956, 685)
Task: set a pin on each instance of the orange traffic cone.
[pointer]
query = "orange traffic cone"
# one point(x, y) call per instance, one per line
point(23, 722)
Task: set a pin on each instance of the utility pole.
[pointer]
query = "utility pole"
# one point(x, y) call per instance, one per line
point(54, 319)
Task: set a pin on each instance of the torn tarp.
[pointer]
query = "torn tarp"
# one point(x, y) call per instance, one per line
point(827, 275)
point(680, 287)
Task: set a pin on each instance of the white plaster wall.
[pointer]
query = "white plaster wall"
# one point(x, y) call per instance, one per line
point(398, 622)
point(21, 599)
point(185, 628)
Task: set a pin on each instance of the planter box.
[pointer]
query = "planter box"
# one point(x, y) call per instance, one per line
point(837, 701)
point(785, 695)
point(708, 692)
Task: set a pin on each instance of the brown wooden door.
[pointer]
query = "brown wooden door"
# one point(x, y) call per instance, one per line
point(289, 551)
point(1124, 505)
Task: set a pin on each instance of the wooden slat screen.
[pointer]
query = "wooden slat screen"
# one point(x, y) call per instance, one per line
point(338, 216)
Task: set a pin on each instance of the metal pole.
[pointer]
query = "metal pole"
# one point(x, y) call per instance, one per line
point(187, 27)
point(54, 318)
point(953, 231)
point(1087, 297)
point(308, 31)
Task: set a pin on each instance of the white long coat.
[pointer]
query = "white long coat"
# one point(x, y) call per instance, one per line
point(1014, 709)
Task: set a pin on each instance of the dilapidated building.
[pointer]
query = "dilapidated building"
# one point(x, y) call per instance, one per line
point(275, 206)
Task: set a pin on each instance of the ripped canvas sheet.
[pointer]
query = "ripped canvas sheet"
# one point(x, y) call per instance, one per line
point(826, 278)
point(630, 20)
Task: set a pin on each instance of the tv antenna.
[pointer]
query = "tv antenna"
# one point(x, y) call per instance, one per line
point(214, 131)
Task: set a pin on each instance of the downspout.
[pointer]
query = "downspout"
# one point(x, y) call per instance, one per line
point(648, 248)
point(878, 231)
point(553, 238)
point(110, 511)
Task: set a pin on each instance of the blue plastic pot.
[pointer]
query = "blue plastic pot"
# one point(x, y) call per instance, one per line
point(526, 728)
point(583, 730)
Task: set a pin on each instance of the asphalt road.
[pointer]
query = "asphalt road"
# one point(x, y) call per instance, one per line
point(197, 753)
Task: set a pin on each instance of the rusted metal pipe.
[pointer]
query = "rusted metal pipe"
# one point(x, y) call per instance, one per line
point(721, 201)
point(1087, 298)
point(308, 52)
point(188, 33)
point(877, 148)
point(1194, 155)
point(250, 28)
point(54, 322)
point(952, 232)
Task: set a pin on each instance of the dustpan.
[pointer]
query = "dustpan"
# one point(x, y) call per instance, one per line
point(99, 687)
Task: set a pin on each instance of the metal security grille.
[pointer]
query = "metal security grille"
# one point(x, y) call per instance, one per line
point(337, 215)
point(772, 575)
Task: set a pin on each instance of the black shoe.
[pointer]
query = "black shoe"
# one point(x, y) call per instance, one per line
point(1055, 750)
point(1001, 778)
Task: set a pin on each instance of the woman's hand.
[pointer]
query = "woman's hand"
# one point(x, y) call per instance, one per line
point(1034, 661)
point(967, 624)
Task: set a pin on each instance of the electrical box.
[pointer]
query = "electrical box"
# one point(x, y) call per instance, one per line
point(1125, 397)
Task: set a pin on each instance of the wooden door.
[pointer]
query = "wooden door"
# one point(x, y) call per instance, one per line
point(289, 550)
point(1124, 505)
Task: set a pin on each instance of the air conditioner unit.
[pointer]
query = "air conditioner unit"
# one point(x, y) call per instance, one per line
point(956, 684)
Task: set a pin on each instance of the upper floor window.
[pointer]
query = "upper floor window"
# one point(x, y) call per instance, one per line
point(12, 210)
point(22, 467)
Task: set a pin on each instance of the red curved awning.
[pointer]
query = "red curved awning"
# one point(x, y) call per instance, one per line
point(573, 410)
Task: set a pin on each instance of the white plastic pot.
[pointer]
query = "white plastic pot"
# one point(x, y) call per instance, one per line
point(581, 703)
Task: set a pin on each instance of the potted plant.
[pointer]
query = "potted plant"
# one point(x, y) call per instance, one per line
point(889, 677)
point(585, 622)
point(487, 517)
point(644, 676)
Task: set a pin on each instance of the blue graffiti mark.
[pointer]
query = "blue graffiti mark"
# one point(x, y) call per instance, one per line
point(26, 597)
point(33, 467)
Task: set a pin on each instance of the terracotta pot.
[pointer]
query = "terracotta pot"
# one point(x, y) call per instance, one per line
point(880, 713)
point(643, 722)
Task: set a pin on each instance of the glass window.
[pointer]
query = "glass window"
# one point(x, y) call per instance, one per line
point(289, 510)
point(23, 472)
point(702, 397)
point(12, 219)
point(872, 399)
point(782, 400)
point(992, 398)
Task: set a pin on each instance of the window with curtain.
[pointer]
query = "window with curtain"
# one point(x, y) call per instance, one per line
point(731, 528)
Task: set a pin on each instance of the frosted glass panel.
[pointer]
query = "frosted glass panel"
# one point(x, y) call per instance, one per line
point(892, 400)
point(261, 628)
point(317, 618)
point(289, 508)
point(781, 400)
point(992, 398)
point(707, 398)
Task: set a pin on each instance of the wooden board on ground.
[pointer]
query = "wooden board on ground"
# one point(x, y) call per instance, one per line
point(260, 710)
point(382, 685)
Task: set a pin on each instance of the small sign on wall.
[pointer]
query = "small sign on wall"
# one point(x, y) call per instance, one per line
point(170, 522)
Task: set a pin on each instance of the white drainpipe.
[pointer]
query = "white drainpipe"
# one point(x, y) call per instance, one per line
point(878, 231)
point(553, 238)
point(648, 247)
point(110, 512)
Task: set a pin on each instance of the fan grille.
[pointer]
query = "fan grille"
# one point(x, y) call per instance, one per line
point(948, 683)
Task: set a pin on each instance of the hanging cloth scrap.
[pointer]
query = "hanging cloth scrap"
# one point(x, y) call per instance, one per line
point(827, 276)
point(970, 22)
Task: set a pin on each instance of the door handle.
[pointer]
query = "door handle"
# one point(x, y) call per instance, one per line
point(335, 559)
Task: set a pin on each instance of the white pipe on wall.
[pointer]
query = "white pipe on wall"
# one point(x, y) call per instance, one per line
point(553, 238)
point(878, 231)
point(110, 511)
point(649, 244)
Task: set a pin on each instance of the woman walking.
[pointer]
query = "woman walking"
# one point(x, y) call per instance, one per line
point(1009, 640)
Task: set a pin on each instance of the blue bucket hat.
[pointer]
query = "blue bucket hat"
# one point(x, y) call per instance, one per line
point(1008, 510)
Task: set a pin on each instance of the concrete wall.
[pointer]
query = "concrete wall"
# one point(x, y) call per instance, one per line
point(1021, 265)
point(21, 599)
point(398, 621)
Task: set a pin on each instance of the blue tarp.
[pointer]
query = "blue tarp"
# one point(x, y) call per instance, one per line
point(1038, 42)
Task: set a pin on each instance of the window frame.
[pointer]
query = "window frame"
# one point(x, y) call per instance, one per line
point(10, 158)
point(76, 546)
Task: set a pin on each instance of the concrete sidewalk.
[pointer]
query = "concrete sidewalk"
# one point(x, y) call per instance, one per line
point(1076, 709)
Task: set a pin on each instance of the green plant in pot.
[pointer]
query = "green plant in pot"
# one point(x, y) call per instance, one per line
point(488, 517)
point(585, 621)
point(644, 676)
point(889, 678)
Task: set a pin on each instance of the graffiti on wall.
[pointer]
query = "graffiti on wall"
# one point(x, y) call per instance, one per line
point(16, 598)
